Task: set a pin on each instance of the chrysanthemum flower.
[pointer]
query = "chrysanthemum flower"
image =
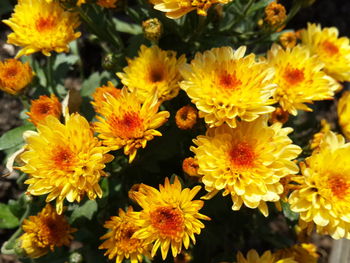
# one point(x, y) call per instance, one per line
point(124, 122)
point(226, 86)
point(267, 257)
point(247, 162)
point(43, 107)
point(14, 75)
point(100, 94)
point(153, 69)
point(44, 232)
point(186, 117)
point(120, 243)
point(177, 8)
point(334, 52)
point(302, 253)
point(107, 3)
point(64, 160)
point(344, 113)
point(42, 26)
point(324, 194)
point(299, 77)
point(169, 217)
point(288, 39)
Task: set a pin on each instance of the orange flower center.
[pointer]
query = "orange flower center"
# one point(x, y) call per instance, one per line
point(45, 23)
point(294, 76)
point(229, 81)
point(43, 108)
point(242, 155)
point(11, 72)
point(330, 48)
point(63, 157)
point(168, 221)
point(124, 237)
point(339, 186)
point(127, 126)
point(156, 74)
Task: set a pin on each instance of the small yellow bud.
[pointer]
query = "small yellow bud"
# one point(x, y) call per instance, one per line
point(152, 29)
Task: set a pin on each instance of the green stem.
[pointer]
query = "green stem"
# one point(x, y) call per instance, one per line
point(49, 74)
point(5, 249)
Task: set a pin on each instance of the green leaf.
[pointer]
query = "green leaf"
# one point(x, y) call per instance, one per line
point(87, 210)
point(125, 27)
point(289, 213)
point(14, 137)
point(7, 219)
point(93, 82)
point(259, 5)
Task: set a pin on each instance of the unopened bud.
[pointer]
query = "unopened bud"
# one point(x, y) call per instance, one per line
point(152, 29)
point(110, 62)
point(75, 257)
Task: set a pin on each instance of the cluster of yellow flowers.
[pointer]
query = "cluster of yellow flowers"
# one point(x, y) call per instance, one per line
point(240, 155)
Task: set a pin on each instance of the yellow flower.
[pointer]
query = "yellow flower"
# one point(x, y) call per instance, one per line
point(169, 217)
point(107, 3)
point(153, 69)
point(64, 160)
point(299, 77)
point(124, 122)
point(275, 14)
point(226, 86)
point(177, 8)
point(14, 75)
point(44, 232)
point(288, 39)
point(100, 94)
point(334, 52)
point(120, 242)
point(324, 194)
point(43, 107)
point(344, 114)
point(267, 257)
point(247, 162)
point(303, 253)
point(41, 26)
point(186, 117)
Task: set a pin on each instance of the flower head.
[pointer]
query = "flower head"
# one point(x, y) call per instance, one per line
point(334, 52)
point(186, 117)
point(64, 160)
point(323, 196)
point(247, 162)
point(153, 69)
point(169, 217)
point(14, 75)
point(226, 86)
point(125, 122)
point(100, 94)
point(304, 252)
point(177, 8)
point(43, 107)
point(120, 242)
point(44, 232)
point(41, 26)
point(300, 78)
point(344, 113)
point(267, 257)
